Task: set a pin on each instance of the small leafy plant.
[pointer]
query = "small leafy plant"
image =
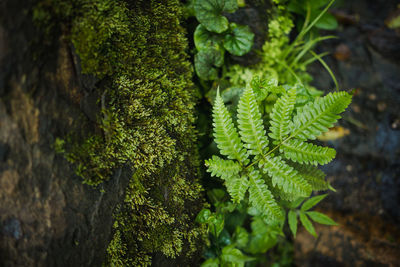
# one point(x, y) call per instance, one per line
point(215, 35)
point(268, 175)
point(278, 165)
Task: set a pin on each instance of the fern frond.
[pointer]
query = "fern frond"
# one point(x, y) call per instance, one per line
point(251, 128)
point(276, 191)
point(222, 168)
point(285, 177)
point(237, 187)
point(314, 176)
point(316, 117)
point(303, 152)
point(225, 134)
point(280, 116)
point(262, 199)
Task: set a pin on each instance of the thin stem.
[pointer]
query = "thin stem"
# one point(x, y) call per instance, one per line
point(327, 69)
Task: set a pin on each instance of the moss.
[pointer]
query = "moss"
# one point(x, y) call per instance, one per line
point(137, 49)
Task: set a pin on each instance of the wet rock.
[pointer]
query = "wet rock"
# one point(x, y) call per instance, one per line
point(366, 172)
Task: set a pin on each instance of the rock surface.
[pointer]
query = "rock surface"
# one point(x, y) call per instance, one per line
point(366, 170)
point(47, 216)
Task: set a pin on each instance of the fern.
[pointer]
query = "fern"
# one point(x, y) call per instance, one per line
point(251, 125)
point(303, 152)
point(316, 117)
point(280, 117)
point(277, 165)
point(225, 134)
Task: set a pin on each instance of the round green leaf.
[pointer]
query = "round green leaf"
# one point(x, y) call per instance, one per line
point(239, 41)
point(203, 38)
point(203, 216)
point(205, 62)
point(209, 13)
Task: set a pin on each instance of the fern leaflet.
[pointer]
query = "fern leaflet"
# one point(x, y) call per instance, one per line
point(262, 199)
point(314, 176)
point(316, 117)
point(280, 116)
point(225, 134)
point(222, 168)
point(237, 187)
point(303, 152)
point(285, 177)
point(251, 125)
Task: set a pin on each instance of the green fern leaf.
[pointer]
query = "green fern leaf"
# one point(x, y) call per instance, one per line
point(314, 176)
point(285, 177)
point(237, 187)
point(225, 134)
point(316, 117)
point(280, 116)
point(303, 152)
point(222, 168)
point(251, 128)
point(262, 199)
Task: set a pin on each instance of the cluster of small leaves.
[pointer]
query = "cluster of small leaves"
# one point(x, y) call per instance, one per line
point(232, 243)
point(215, 34)
point(287, 60)
point(305, 215)
point(265, 166)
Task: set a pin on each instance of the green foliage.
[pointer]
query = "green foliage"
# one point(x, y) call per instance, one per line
point(284, 60)
point(305, 215)
point(209, 13)
point(309, 121)
point(310, 9)
point(239, 40)
point(215, 34)
point(265, 174)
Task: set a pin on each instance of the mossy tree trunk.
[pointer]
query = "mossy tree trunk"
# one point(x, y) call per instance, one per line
point(112, 79)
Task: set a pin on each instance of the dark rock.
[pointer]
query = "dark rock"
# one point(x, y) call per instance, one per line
point(47, 216)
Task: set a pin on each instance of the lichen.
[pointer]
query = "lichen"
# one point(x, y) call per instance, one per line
point(138, 50)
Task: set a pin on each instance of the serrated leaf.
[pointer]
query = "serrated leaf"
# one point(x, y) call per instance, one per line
point(303, 152)
point(225, 134)
point(261, 198)
point(237, 187)
point(251, 128)
point(308, 204)
point(314, 176)
point(292, 220)
point(209, 13)
point(285, 177)
point(203, 38)
point(307, 224)
point(317, 117)
point(222, 168)
point(280, 116)
point(320, 218)
point(205, 62)
point(239, 40)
